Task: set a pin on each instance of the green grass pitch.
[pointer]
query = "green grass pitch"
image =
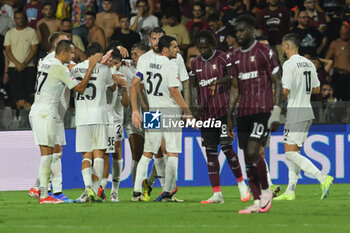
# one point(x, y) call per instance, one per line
point(21, 213)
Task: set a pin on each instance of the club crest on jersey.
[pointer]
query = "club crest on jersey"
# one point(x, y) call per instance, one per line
point(152, 120)
point(252, 59)
point(214, 67)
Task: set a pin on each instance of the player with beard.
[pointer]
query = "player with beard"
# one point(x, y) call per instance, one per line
point(255, 70)
point(211, 73)
point(299, 82)
point(162, 88)
point(158, 169)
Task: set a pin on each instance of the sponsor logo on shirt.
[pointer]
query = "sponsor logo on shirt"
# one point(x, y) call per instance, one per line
point(207, 82)
point(248, 75)
point(252, 59)
point(273, 22)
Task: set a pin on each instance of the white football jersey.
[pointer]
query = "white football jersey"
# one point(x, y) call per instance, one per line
point(65, 96)
point(179, 61)
point(52, 78)
point(115, 107)
point(90, 107)
point(158, 74)
point(300, 77)
point(182, 71)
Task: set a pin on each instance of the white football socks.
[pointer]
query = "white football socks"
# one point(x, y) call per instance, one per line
point(153, 176)
point(305, 164)
point(133, 169)
point(44, 174)
point(170, 172)
point(159, 163)
point(117, 167)
point(293, 176)
point(104, 182)
point(141, 173)
point(87, 176)
point(56, 176)
point(98, 171)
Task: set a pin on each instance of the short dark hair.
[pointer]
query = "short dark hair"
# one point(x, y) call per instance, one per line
point(107, 1)
point(113, 45)
point(54, 36)
point(247, 19)
point(300, 12)
point(207, 35)
point(140, 46)
point(63, 46)
point(91, 14)
point(213, 18)
point(122, 16)
point(66, 20)
point(48, 4)
point(93, 48)
point(200, 4)
point(116, 54)
point(157, 30)
point(165, 42)
point(145, 1)
point(173, 12)
point(292, 38)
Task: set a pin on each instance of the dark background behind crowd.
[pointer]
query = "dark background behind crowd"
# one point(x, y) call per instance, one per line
point(26, 26)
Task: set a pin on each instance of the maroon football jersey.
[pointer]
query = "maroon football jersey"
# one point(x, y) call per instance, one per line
point(253, 67)
point(275, 24)
point(206, 72)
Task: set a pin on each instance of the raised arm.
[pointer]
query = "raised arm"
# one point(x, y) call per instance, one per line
point(83, 84)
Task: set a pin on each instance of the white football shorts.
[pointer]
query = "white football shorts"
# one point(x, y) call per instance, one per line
point(44, 130)
point(91, 137)
point(172, 136)
point(60, 134)
point(296, 133)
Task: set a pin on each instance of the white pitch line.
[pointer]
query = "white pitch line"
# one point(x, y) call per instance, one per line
point(234, 225)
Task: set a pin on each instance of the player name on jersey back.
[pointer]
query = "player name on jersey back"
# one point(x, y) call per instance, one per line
point(155, 66)
point(90, 106)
